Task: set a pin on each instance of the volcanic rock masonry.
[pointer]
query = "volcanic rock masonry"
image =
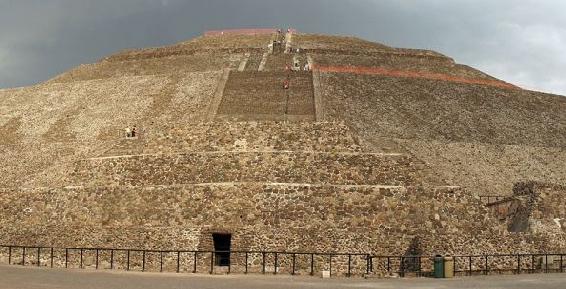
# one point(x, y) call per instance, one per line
point(372, 150)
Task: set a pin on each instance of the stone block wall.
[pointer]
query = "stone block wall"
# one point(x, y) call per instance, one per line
point(250, 166)
point(399, 63)
point(490, 169)
point(378, 220)
point(41, 164)
point(551, 202)
point(216, 44)
point(313, 41)
point(482, 145)
point(229, 41)
point(48, 127)
point(241, 136)
point(534, 207)
point(426, 109)
point(200, 62)
point(294, 218)
point(75, 110)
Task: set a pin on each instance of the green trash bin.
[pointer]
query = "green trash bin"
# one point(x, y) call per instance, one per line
point(438, 266)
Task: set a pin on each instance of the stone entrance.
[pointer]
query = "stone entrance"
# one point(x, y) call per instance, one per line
point(222, 243)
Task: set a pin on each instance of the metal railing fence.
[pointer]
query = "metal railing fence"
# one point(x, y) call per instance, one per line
point(276, 262)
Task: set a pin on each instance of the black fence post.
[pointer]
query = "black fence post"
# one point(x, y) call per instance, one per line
point(470, 264)
point(246, 270)
point(161, 261)
point(178, 261)
point(532, 263)
point(51, 257)
point(195, 262)
point(402, 259)
point(38, 256)
point(293, 272)
point(546, 263)
point(23, 256)
point(9, 255)
point(349, 265)
point(486, 268)
point(367, 264)
point(388, 264)
point(111, 259)
point(128, 260)
point(81, 261)
point(66, 257)
point(96, 259)
point(229, 261)
point(312, 264)
point(330, 264)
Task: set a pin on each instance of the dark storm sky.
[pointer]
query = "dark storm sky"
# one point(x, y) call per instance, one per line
point(520, 41)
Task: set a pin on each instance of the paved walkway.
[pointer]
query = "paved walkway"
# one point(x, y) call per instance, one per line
point(31, 277)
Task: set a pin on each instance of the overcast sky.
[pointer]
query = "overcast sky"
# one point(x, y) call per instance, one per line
point(519, 41)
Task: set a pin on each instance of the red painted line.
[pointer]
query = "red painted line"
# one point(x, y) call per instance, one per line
point(412, 74)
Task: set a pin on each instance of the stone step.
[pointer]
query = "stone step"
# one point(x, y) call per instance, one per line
point(347, 168)
point(278, 62)
point(224, 136)
point(291, 116)
point(274, 82)
point(256, 95)
point(254, 62)
point(255, 76)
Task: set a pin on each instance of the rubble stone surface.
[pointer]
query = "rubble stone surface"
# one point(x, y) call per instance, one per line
point(391, 161)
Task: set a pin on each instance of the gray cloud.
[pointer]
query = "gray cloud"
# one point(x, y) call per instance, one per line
point(522, 43)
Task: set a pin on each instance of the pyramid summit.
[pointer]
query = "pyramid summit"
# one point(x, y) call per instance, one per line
point(267, 140)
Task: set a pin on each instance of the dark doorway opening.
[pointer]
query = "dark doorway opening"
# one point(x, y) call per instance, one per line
point(222, 248)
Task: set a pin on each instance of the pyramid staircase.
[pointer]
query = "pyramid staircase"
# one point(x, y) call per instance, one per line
point(253, 62)
point(253, 95)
